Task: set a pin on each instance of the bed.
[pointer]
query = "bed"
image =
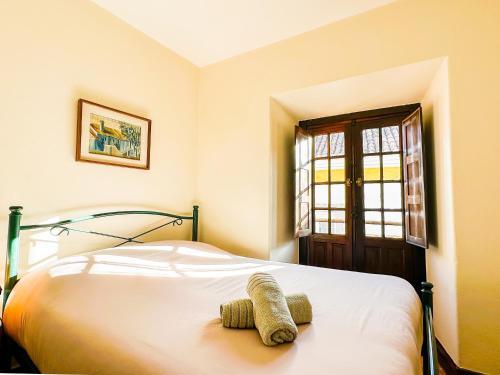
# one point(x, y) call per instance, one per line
point(153, 308)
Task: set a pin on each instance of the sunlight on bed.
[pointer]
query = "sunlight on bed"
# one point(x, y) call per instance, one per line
point(120, 259)
point(200, 253)
point(209, 267)
point(135, 264)
point(227, 273)
point(147, 247)
point(67, 269)
point(114, 269)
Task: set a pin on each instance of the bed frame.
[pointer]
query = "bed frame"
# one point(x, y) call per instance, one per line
point(10, 349)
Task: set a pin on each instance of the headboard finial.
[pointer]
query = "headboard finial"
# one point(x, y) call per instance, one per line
point(427, 286)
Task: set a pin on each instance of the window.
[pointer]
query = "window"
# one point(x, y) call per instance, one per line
point(329, 183)
point(382, 183)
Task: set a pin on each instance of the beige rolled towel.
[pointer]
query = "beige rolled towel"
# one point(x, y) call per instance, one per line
point(239, 313)
point(271, 314)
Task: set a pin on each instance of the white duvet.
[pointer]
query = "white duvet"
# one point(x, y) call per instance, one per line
point(154, 309)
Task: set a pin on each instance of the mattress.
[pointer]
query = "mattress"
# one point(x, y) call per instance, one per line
point(154, 309)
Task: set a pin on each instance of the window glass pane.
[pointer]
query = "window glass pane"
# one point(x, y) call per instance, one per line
point(321, 196)
point(393, 218)
point(371, 168)
point(390, 139)
point(337, 170)
point(304, 179)
point(372, 195)
point(373, 217)
point(337, 199)
point(321, 170)
point(304, 215)
point(305, 151)
point(392, 167)
point(337, 144)
point(392, 195)
point(320, 145)
point(321, 221)
point(393, 231)
point(371, 141)
point(393, 224)
point(373, 224)
point(338, 222)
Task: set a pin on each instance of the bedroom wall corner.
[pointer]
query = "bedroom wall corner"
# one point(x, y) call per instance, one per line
point(441, 257)
point(283, 245)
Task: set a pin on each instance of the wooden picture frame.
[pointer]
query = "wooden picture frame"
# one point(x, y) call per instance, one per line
point(110, 136)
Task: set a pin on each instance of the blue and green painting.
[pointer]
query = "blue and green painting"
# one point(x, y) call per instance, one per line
point(114, 138)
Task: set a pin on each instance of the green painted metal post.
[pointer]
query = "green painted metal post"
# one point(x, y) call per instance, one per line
point(12, 261)
point(427, 294)
point(194, 235)
point(430, 349)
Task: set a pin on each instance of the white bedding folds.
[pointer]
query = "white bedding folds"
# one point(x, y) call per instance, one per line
point(153, 309)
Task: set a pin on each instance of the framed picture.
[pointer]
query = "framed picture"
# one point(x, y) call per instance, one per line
point(110, 136)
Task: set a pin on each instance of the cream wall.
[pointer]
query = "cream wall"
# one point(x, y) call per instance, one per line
point(54, 52)
point(441, 257)
point(235, 139)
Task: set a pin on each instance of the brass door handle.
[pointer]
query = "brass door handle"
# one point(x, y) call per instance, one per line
point(348, 182)
point(359, 182)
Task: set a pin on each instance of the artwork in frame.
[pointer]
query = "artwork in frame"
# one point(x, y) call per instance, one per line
point(110, 136)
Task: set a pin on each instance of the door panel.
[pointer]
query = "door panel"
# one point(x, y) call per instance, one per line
point(379, 246)
point(330, 253)
point(331, 241)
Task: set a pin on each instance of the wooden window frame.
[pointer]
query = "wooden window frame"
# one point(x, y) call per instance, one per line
point(321, 126)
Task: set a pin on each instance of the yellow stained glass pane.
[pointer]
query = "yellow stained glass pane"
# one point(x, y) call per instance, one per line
point(391, 167)
point(321, 171)
point(337, 170)
point(371, 168)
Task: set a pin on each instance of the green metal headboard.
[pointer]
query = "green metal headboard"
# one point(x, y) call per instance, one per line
point(15, 227)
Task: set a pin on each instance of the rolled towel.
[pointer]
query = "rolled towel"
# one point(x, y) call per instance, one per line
point(271, 314)
point(239, 313)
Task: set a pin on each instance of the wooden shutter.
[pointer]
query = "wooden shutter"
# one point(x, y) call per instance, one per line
point(303, 150)
point(414, 184)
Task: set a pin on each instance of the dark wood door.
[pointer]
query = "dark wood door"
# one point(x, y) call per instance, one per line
point(331, 241)
point(358, 196)
point(378, 213)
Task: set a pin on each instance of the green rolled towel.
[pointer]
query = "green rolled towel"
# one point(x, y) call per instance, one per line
point(271, 314)
point(239, 313)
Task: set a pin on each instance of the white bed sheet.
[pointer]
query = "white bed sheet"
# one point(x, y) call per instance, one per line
point(153, 309)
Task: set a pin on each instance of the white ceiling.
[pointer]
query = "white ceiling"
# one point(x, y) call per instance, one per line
point(386, 88)
point(207, 31)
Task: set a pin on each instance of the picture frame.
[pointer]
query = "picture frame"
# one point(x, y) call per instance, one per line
point(110, 136)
